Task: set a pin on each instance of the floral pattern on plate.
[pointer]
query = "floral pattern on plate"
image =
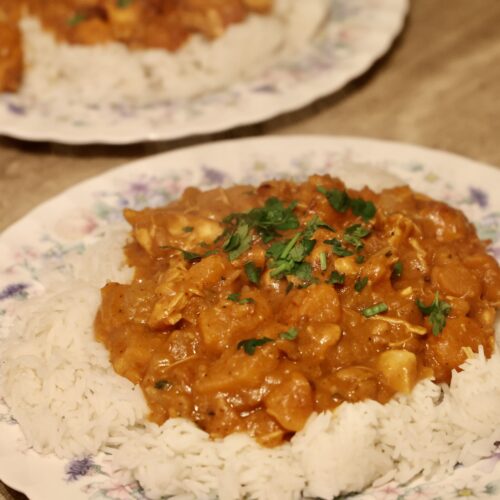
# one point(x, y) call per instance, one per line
point(73, 220)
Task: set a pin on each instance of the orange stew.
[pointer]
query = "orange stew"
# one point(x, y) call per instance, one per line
point(251, 308)
point(164, 24)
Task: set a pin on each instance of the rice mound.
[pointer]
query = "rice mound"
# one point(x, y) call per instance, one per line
point(61, 387)
point(112, 74)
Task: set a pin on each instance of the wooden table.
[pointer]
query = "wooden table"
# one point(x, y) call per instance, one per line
point(439, 87)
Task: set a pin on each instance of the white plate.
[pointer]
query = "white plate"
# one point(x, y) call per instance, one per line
point(74, 218)
point(358, 33)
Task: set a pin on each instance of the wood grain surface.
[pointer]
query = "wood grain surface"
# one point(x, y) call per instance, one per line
point(438, 87)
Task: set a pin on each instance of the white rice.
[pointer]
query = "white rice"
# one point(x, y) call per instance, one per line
point(96, 75)
point(60, 386)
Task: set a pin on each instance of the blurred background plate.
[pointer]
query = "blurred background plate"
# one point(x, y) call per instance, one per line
point(357, 34)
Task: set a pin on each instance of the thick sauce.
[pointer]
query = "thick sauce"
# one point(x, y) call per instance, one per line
point(164, 24)
point(252, 322)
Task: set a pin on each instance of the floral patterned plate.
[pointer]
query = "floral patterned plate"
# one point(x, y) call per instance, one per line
point(72, 220)
point(358, 33)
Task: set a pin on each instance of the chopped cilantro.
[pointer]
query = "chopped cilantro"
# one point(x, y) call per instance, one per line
point(76, 19)
point(190, 256)
point(123, 3)
point(338, 248)
point(161, 384)
point(235, 297)
point(364, 209)
point(287, 257)
point(437, 312)
point(267, 220)
point(354, 234)
point(397, 270)
point(322, 261)
point(338, 199)
point(290, 334)
point(360, 284)
point(341, 202)
point(238, 241)
point(250, 345)
point(336, 278)
point(188, 229)
point(253, 272)
point(374, 310)
point(360, 259)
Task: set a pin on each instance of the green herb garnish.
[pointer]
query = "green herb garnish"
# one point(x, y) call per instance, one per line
point(250, 345)
point(397, 270)
point(336, 278)
point(188, 229)
point(338, 248)
point(341, 202)
point(238, 241)
point(360, 259)
point(161, 384)
point(76, 19)
point(360, 284)
point(235, 297)
point(354, 234)
point(338, 199)
point(322, 261)
point(267, 220)
point(290, 334)
point(253, 272)
point(437, 312)
point(374, 310)
point(123, 3)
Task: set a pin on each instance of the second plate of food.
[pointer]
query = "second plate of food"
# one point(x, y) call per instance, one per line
point(241, 65)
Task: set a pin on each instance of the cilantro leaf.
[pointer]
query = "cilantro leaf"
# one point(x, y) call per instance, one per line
point(336, 278)
point(162, 384)
point(374, 310)
point(364, 209)
point(238, 242)
point(290, 334)
point(437, 312)
point(339, 200)
point(338, 248)
point(353, 235)
point(360, 284)
point(188, 229)
point(360, 259)
point(267, 220)
point(397, 270)
point(235, 297)
point(76, 19)
point(253, 272)
point(250, 345)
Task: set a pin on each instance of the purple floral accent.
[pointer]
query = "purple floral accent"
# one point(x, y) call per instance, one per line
point(212, 177)
point(479, 197)
point(139, 187)
point(79, 468)
point(266, 89)
point(16, 109)
point(14, 290)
